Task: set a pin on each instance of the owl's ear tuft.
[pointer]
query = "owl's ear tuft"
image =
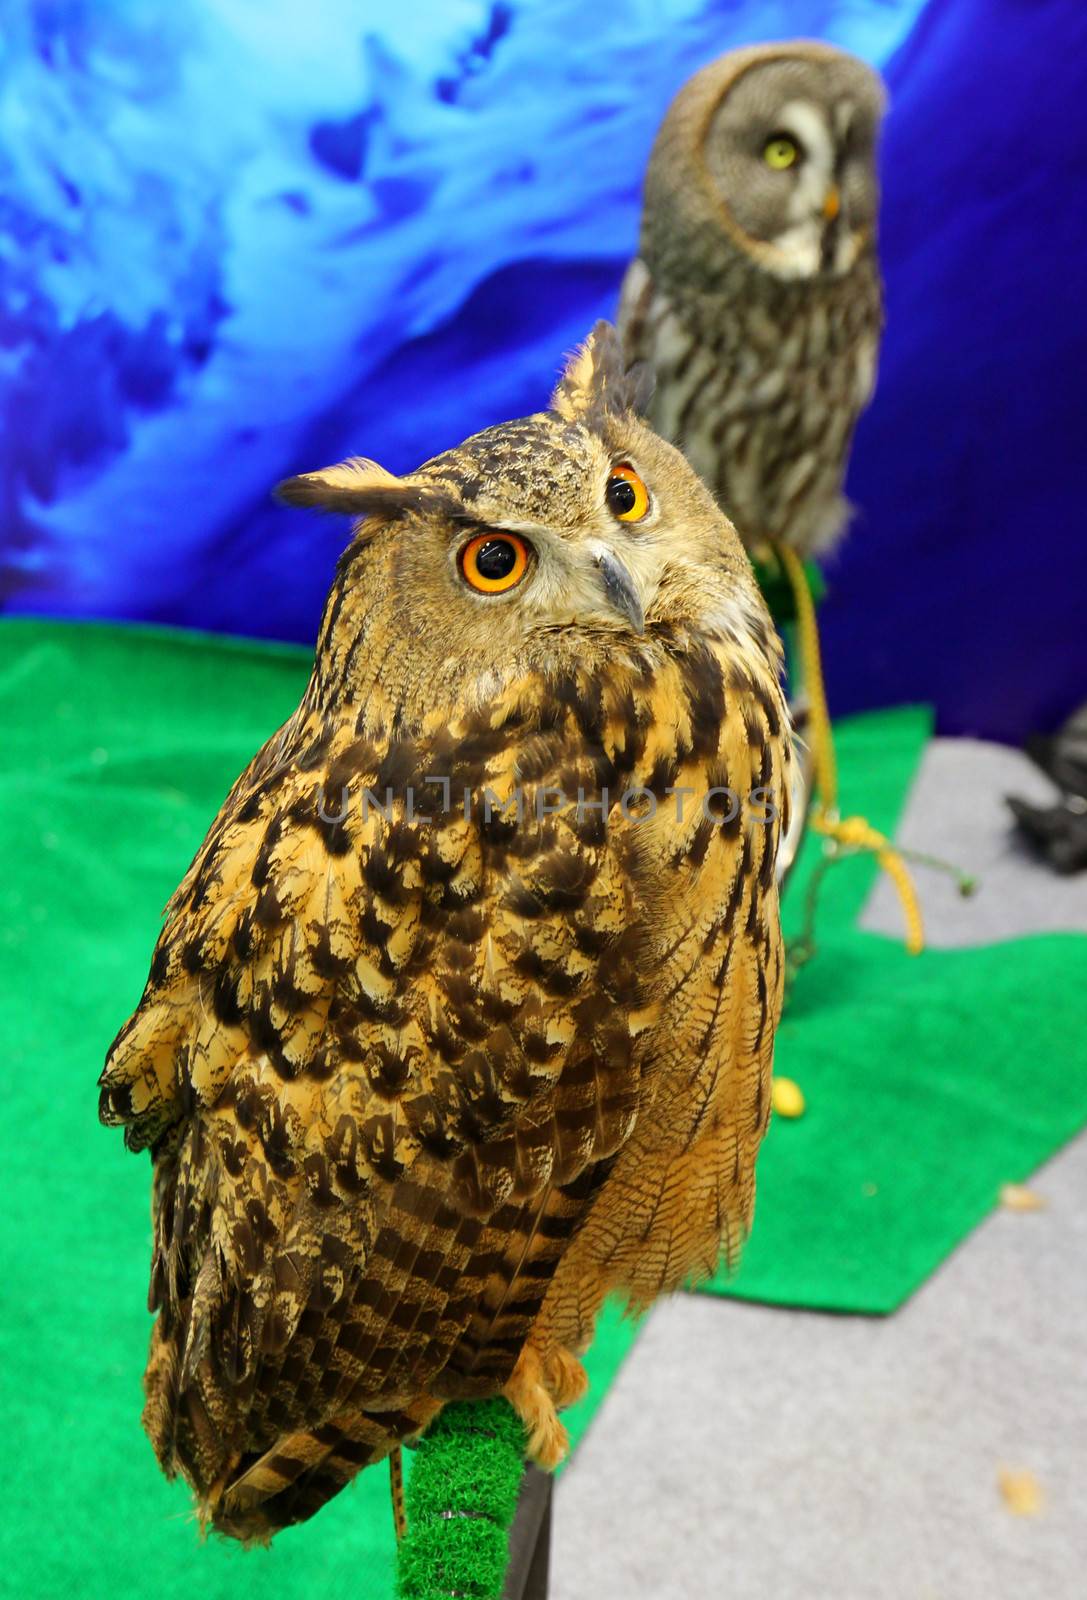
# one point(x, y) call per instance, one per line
point(597, 381)
point(356, 488)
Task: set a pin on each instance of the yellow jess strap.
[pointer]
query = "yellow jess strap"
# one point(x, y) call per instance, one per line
point(852, 833)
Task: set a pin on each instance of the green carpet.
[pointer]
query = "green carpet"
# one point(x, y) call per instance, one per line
point(929, 1081)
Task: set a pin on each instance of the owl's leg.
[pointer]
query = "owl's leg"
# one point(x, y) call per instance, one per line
point(564, 1376)
point(545, 1378)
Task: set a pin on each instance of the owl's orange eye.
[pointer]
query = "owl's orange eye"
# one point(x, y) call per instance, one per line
point(626, 494)
point(494, 562)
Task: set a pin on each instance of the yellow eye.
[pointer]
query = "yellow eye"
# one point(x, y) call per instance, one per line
point(494, 562)
point(626, 494)
point(780, 152)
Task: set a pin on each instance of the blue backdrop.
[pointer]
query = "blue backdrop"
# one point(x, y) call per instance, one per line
point(240, 238)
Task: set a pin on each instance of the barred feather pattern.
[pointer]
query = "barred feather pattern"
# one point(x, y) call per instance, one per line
point(386, 1069)
point(760, 382)
point(422, 1083)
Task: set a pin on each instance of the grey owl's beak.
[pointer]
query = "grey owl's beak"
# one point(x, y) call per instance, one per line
point(620, 590)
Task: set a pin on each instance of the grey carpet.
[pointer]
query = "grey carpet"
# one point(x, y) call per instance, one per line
point(761, 1454)
point(956, 810)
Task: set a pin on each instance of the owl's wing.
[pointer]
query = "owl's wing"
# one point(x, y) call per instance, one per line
point(382, 1065)
point(635, 303)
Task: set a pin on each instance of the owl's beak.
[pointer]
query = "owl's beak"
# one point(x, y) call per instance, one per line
point(620, 590)
point(833, 203)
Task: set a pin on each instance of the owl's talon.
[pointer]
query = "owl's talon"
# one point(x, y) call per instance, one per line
point(564, 1377)
point(535, 1389)
point(549, 1444)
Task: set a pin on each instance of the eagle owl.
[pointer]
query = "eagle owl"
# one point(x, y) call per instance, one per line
point(755, 298)
point(462, 1016)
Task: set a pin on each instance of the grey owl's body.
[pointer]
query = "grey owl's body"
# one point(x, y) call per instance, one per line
point(756, 297)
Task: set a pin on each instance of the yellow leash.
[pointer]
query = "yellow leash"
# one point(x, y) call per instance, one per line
point(851, 833)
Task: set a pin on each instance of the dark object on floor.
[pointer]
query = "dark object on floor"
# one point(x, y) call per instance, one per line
point(1059, 831)
point(1063, 756)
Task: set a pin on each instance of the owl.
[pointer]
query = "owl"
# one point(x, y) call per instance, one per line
point(756, 297)
point(462, 1017)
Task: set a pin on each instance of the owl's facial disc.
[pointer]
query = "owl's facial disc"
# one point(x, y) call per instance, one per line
point(547, 530)
point(811, 197)
point(564, 581)
point(791, 153)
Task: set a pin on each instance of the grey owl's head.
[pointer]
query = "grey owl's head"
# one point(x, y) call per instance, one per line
point(786, 136)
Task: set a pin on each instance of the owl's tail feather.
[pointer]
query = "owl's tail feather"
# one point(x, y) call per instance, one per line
point(301, 1471)
point(251, 1497)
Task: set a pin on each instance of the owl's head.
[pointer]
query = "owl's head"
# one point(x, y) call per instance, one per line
point(562, 538)
point(783, 142)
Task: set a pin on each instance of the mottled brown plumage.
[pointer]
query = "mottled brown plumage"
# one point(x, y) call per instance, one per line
point(755, 298)
point(420, 1092)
